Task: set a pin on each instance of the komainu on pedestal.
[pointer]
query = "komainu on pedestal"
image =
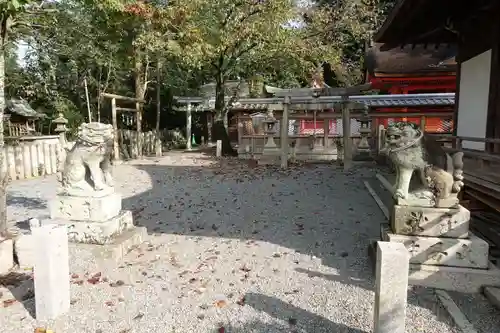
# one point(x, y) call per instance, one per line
point(86, 170)
point(426, 215)
point(87, 202)
point(440, 175)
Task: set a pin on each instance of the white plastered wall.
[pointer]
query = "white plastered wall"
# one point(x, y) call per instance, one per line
point(473, 101)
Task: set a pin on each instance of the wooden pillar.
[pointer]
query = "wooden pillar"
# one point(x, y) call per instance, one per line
point(422, 124)
point(116, 148)
point(139, 128)
point(188, 127)
point(346, 135)
point(493, 119)
point(284, 133)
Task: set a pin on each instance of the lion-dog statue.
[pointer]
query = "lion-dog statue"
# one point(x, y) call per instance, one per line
point(440, 173)
point(87, 167)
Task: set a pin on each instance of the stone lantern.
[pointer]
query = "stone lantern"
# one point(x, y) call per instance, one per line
point(61, 128)
point(271, 151)
point(270, 130)
point(363, 149)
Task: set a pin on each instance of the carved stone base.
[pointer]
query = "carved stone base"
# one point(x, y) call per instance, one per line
point(101, 232)
point(425, 198)
point(87, 209)
point(433, 222)
point(270, 156)
point(471, 253)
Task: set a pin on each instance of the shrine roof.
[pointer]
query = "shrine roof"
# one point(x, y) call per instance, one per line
point(411, 59)
point(21, 107)
point(428, 22)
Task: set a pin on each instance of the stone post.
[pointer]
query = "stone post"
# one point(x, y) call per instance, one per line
point(51, 271)
point(391, 288)
point(284, 133)
point(188, 127)
point(61, 129)
point(116, 147)
point(346, 135)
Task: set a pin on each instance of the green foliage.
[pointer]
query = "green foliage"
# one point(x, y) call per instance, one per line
point(114, 45)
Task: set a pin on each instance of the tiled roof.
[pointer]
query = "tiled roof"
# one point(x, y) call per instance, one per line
point(22, 108)
point(411, 59)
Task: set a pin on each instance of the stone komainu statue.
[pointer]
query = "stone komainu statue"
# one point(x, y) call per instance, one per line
point(87, 166)
point(439, 172)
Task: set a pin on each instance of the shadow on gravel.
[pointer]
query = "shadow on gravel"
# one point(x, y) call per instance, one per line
point(21, 286)
point(297, 318)
point(32, 203)
point(317, 210)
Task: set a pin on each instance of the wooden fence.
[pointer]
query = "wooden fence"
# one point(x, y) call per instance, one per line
point(128, 143)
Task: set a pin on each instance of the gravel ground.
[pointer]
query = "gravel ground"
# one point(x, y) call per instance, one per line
point(232, 248)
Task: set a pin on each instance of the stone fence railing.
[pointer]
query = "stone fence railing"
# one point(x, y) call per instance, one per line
point(32, 156)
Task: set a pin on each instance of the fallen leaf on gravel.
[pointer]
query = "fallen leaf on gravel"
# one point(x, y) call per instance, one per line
point(9, 302)
point(241, 301)
point(79, 282)
point(220, 303)
point(75, 276)
point(96, 278)
point(93, 280)
point(117, 283)
point(109, 303)
point(183, 273)
point(244, 268)
point(222, 330)
point(139, 316)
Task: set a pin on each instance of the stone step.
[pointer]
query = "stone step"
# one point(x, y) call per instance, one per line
point(460, 279)
point(493, 295)
point(455, 252)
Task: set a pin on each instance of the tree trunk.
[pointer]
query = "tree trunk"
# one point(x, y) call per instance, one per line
point(4, 179)
point(219, 128)
point(158, 95)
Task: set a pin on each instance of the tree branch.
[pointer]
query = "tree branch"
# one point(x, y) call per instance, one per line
point(232, 60)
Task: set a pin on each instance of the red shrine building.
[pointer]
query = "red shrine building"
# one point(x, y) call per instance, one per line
point(413, 69)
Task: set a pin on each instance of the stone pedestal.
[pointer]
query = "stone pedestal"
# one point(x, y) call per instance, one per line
point(91, 208)
point(92, 219)
point(432, 222)
point(437, 236)
point(95, 224)
point(438, 240)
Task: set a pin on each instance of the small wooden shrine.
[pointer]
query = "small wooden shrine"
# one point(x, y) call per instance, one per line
point(21, 119)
